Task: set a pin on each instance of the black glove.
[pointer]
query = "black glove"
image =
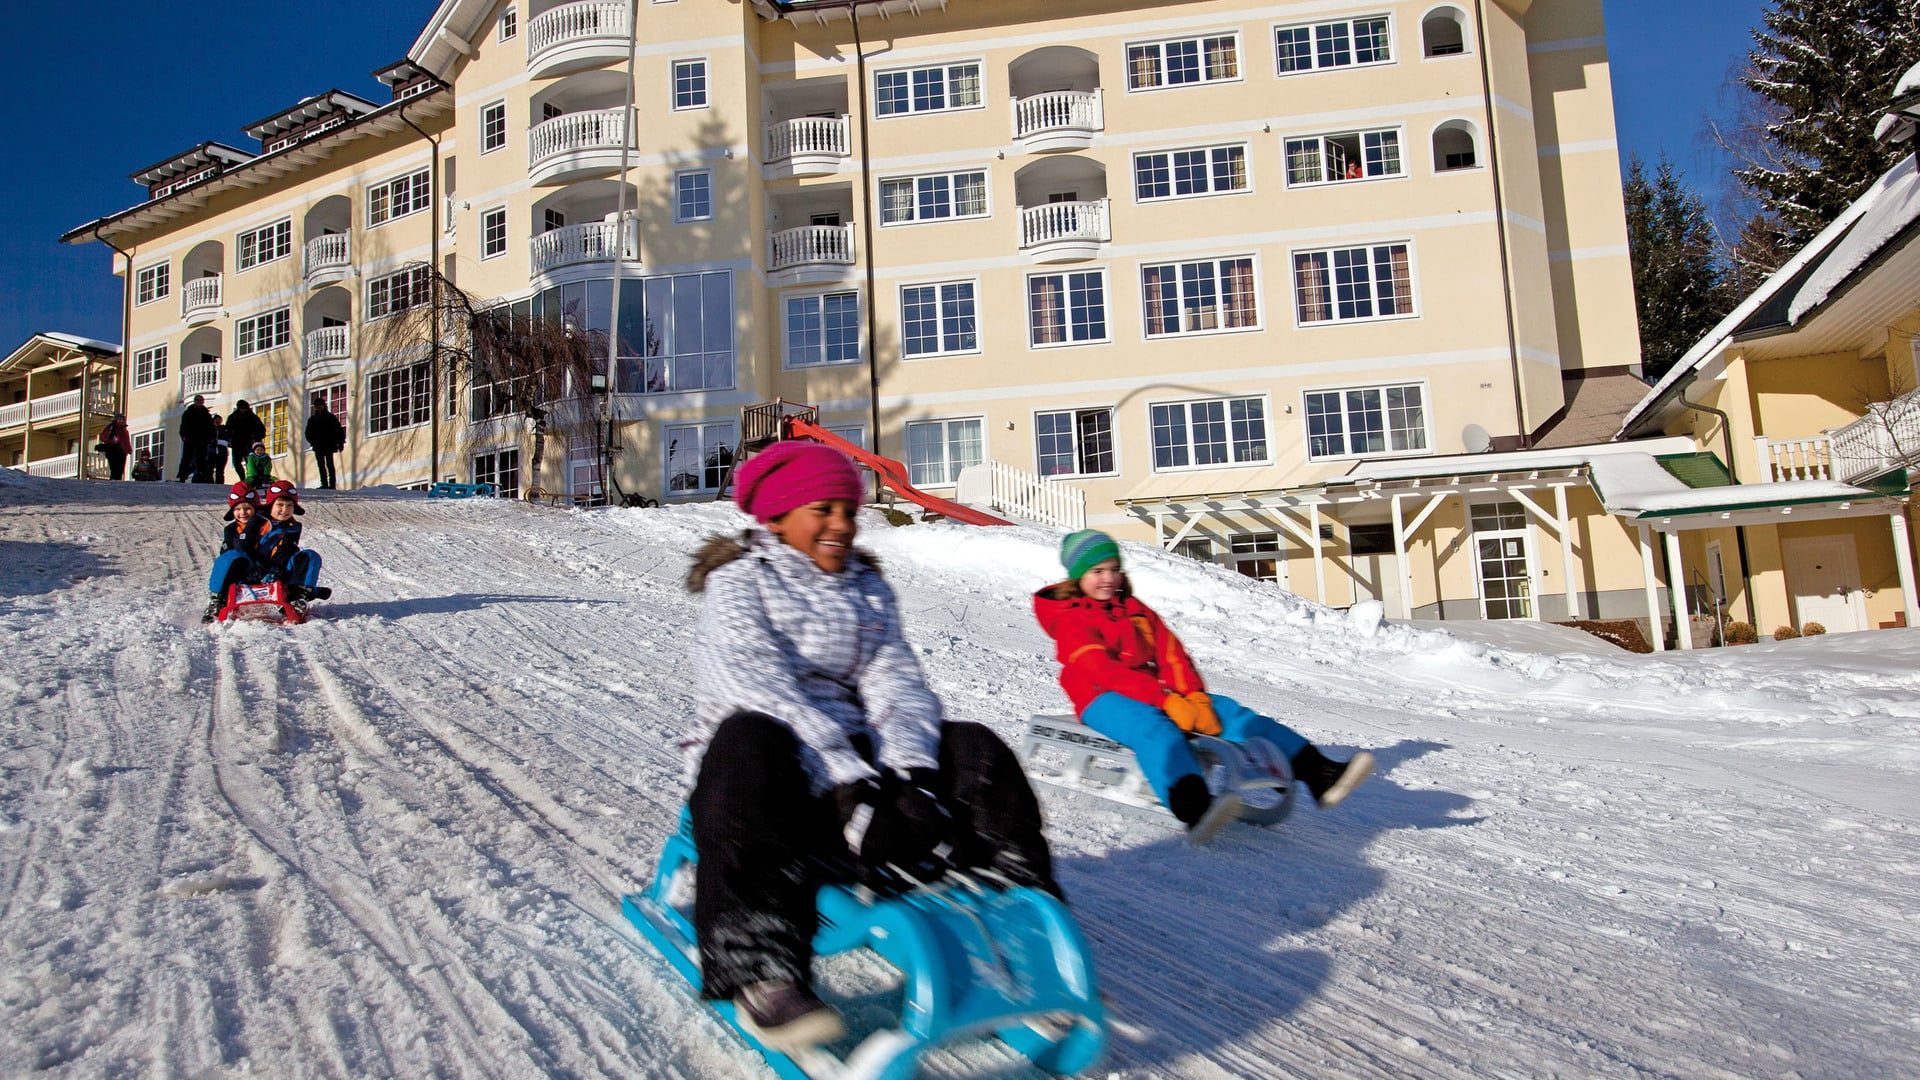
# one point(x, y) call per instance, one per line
point(907, 829)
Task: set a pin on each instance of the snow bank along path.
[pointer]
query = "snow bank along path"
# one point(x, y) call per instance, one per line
point(391, 842)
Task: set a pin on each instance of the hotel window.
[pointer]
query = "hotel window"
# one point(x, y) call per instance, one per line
point(396, 292)
point(262, 332)
point(940, 88)
point(933, 198)
point(1347, 284)
point(493, 232)
point(265, 244)
point(689, 84)
point(1354, 155)
point(698, 456)
point(823, 328)
point(493, 127)
point(150, 366)
point(398, 197)
point(334, 397)
point(1174, 174)
point(1183, 62)
point(277, 417)
point(1068, 308)
point(1074, 442)
point(1345, 43)
point(693, 195)
point(509, 24)
point(151, 283)
point(1192, 434)
point(937, 319)
point(676, 332)
point(938, 449)
point(1363, 420)
point(1199, 297)
point(399, 398)
point(501, 469)
point(1256, 555)
point(155, 444)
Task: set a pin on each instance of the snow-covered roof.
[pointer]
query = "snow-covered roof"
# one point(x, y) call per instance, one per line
point(1636, 485)
point(1894, 211)
point(47, 344)
point(1909, 83)
point(1516, 461)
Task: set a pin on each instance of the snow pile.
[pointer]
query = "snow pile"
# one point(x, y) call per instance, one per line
point(391, 842)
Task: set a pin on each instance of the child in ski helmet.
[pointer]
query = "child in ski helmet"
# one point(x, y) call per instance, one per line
point(812, 707)
point(281, 558)
point(1130, 679)
point(238, 550)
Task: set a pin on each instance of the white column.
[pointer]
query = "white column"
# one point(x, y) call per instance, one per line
point(1566, 551)
point(1677, 591)
point(1903, 558)
point(1400, 560)
point(1319, 553)
point(1653, 590)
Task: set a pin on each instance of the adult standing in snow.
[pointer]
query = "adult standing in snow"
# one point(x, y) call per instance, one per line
point(327, 437)
point(1131, 680)
point(117, 444)
point(244, 428)
point(196, 436)
point(218, 452)
point(814, 714)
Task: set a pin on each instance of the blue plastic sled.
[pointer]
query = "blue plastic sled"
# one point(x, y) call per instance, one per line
point(978, 959)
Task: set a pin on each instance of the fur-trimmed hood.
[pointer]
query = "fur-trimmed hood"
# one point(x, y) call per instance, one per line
point(719, 550)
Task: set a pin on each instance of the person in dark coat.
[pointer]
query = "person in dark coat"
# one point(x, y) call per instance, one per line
point(244, 428)
point(145, 469)
point(196, 437)
point(117, 444)
point(327, 437)
point(217, 453)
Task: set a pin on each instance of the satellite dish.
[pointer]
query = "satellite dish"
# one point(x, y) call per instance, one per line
point(1475, 439)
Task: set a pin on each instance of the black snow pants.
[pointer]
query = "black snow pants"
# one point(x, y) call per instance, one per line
point(767, 843)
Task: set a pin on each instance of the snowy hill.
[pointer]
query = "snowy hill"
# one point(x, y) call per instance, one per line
point(391, 842)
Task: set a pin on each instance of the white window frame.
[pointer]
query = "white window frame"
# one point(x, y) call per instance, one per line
point(280, 435)
point(1067, 307)
point(1387, 428)
point(680, 179)
point(1528, 552)
point(1079, 465)
point(1227, 402)
point(946, 69)
point(1373, 248)
point(819, 299)
point(1246, 172)
point(940, 302)
point(1200, 42)
point(152, 282)
point(1313, 40)
point(154, 442)
point(1180, 308)
point(419, 384)
point(240, 244)
point(277, 320)
point(1251, 547)
point(669, 441)
point(329, 392)
point(946, 444)
point(1398, 131)
point(413, 181)
point(494, 471)
point(485, 241)
point(488, 143)
point(916, 182)
point(508, 26)
point(705, 93)
point(388, 308)
point(150, 365)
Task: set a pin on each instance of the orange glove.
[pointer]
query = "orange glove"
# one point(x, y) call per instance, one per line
point(1208, 722)
point(1192, 713)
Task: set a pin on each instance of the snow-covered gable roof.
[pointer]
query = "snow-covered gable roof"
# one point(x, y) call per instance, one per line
point(51, 345)
point(449, 35)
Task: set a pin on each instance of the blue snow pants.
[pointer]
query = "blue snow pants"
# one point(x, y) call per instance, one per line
point(305, 568)
point(1161, 747)
point(231, 568)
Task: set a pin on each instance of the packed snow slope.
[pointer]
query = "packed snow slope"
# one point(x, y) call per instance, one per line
point(391, 842)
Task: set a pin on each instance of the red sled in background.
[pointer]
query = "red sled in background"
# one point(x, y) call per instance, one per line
point(268, 601)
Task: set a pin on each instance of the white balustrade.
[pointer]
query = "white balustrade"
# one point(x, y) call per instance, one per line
point(1794, 459)
point(1059, 111)
point(64, 467)
point(596, 241)
point(324, 344)
point(329, 255)
point(54, 406)
point(200, 379)
point(13, 415)
point(1888, 437)
point(572, 24)
point(601, 129)
point(811, 245)
point(1082, 222)
point(1037, 498)
point(809, 136)
point(201, 295)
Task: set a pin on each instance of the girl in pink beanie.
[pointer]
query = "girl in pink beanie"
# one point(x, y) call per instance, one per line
point(813, 714)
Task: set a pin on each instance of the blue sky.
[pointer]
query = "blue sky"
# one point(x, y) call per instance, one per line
point(109, 86)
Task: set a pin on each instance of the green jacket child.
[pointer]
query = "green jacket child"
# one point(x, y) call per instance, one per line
point(258, 468)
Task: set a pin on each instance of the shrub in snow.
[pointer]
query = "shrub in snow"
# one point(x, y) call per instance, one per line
point(1812, 629)
point(1782, 633)
point(1741, 633)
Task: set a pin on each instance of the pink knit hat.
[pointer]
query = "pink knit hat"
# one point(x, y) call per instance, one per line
point(790, 474)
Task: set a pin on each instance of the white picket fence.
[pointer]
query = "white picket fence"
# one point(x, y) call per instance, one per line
point(1033, 498)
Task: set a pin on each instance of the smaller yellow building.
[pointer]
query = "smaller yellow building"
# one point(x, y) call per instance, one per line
point(57, 392)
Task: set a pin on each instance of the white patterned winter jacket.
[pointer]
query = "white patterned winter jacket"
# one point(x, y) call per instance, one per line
point(822, 653)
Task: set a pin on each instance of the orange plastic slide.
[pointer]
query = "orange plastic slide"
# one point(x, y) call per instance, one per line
point(892, 473)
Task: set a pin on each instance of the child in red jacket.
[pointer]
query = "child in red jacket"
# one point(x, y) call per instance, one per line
point(1131, 680)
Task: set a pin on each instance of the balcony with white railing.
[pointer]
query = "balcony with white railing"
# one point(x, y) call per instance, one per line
point(1064, 231)
point(63, 406)
point(1885, 439)
point(200, 300)
point(577, 36)
point(203, 378)
point(1058, 120)
point(13, 416)
point(593, 242)
point(329, 258)
point(326, 351)
point(1809, 458)
point(808, 146)
point(65, 467)
point(577, 146)
point(810, 253)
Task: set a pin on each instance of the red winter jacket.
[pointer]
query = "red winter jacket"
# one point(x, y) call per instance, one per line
point(1119, 645)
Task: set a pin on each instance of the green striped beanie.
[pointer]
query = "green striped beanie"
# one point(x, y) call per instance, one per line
point(1086, 549)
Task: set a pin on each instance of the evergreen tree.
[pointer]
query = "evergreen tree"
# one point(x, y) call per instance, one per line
point(1823, 73)
point(1679, 291)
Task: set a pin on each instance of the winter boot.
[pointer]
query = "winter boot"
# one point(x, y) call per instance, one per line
point(214, 603)
point(320, 592)
point(1202, 813)
point(1331, 781)
point(787, 1016)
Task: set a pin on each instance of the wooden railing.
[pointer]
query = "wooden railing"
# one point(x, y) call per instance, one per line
point(67, 403)
point(808, 135)
point(830, 245)
point(1036, 498)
